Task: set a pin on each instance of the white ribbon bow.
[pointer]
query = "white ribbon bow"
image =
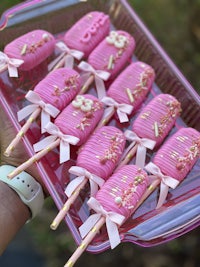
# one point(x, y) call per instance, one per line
point(122, 109)
point(94, 180)
point(65, 141)
point(99, 75)
point(68, 54)
point(47, 110)
point(11, 63)
point(113, 221)
point(143, 144)
point(165, 182)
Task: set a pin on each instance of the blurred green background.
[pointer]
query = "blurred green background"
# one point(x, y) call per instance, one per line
point(176, 25)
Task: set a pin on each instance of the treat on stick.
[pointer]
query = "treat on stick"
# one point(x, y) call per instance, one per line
point(113, 205)
point(151, 126)
point(49, 97)
point(107, 60)
point(173, 161)
point(81, 39)
point(95, 163)
point(72, 126)
point(128, 91)
point(27, 51)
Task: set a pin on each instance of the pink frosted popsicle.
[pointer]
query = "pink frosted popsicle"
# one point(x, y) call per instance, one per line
point(95, 163)
point(151, 126)
point(49, 97)
point(83, 37)
point(108, 59)
point(128, 91)
point(72, 126)
point(174, 160)
point(27, 51)
point(114, 204)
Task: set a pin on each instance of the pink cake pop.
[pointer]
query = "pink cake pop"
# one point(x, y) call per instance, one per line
point(128, 91)
point(151, 126)
point(27, 51)
point(95, 162)
point(107, 60)
point(174, 160)
point(81, 39)
point(114, 204)
point(49, 97)
point(72, 126)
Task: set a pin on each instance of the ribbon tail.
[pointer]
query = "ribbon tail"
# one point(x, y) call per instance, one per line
point(100, 87)
point(52, 64)
point(45, 119)
point(163, 194)
point(140, 156)
point(113, 233)
point(87, 226)
point(12, 70)
point(26, 111)
point(44, 143)
point(93, 188)
point(69, 61)
point(122, 116)
point(64, 151)
point(71, 187)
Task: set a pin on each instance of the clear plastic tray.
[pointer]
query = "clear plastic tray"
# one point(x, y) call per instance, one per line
point(147, 227)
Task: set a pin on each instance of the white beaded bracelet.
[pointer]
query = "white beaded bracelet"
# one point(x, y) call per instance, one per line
point(28, 189)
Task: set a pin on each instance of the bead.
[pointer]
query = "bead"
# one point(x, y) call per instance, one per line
point(118, 200)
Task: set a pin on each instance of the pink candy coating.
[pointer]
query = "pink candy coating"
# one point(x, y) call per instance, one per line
point(157, 118)
point(122, 191)
point(112, 57)
point(80, 117)
point(86, 33)
point(33, 47)
point(179, 153)
point(135, 80)
point(59, 87)
point(102, 151)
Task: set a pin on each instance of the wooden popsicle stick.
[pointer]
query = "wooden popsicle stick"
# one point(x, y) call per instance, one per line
point(22, 132)
point(33, 159)
point(60, 64)
point(86, 85)
point(105, 120)
point(127, 157)
point(61, 214)
point(148, 192)
point(85, 242)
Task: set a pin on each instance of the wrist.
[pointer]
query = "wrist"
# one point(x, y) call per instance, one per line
point(27, 188)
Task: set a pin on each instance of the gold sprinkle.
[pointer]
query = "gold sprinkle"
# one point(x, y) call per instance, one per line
point(150, 188)
point(181, 138)
point(124, 178)
point(110, 62)
point(69, 263)
point(174, 154)
point(31, 119)
point(53, 225)
point(82, 246)
point(21, 133)
point(64, 208)
point(130, 96)
point(156, 131)
point(11, 148)
point(145, 115)
point(104, 121)
point(48, 149)
point(23, 51)
point(94, 229)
